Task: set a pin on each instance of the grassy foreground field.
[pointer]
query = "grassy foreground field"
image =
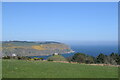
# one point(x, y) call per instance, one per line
point(0, 68)
point(44, 69)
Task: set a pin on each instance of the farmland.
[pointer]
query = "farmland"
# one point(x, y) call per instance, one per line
point(27, 48)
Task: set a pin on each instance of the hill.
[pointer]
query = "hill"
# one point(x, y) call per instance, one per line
point(25, 48)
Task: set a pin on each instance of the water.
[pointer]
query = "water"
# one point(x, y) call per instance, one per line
point(95, 50)
point(92, 50)
point(45, 57)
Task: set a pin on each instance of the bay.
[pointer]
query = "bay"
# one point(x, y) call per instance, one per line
point(92, 50)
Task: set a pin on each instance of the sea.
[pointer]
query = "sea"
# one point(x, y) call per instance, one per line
point(95, 50)
point(92, 50)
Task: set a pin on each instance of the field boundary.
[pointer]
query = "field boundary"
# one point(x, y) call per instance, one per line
point(60, 79)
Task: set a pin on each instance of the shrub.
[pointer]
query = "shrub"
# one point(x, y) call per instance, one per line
point(50, 60)
point(56, 58)
point(6, 57)
point(69, 59)
point(31, 59)
point(41, 58)
point(35, 58)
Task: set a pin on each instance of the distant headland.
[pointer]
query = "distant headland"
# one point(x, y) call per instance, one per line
point(34, 48)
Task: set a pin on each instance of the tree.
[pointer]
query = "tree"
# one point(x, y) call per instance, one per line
point(118, 62)
point(89, 60)
point(115, 58)
point(101, 58)
point(79, 57)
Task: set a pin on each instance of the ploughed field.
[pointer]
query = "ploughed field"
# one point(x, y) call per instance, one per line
point(45, 69)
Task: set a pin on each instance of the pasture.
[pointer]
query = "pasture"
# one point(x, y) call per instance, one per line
point(45, 69)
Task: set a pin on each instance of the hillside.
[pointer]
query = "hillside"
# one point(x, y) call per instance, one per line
point(25, 48)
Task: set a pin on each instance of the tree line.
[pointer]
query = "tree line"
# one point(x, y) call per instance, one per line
point(113, 58)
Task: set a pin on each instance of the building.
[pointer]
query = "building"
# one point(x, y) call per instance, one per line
point(55, 54)
point(13, 55)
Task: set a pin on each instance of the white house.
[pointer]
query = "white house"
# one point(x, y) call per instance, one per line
point(56, 54)
point(13, 55)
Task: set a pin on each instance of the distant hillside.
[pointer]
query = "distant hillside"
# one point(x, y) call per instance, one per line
point(25, 48)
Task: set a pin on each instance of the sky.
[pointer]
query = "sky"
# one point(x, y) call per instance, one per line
point(69, 22)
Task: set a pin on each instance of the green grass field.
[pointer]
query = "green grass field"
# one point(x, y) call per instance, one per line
point(44, 69)
point(0, 68)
